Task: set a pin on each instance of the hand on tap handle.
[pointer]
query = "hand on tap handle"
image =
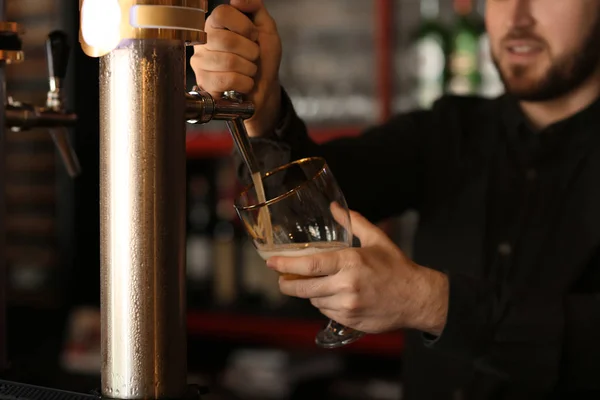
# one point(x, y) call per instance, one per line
point(242, 55)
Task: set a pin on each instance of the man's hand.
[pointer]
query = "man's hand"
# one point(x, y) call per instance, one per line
point(374, 289)
point(244, 55)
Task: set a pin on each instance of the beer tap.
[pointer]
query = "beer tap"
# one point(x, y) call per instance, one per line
point(202, 107)
point(143, 112)
point(53, 115)
point(19, 116)
point(57, 54)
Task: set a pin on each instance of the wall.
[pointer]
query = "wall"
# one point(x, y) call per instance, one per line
point(33, 173)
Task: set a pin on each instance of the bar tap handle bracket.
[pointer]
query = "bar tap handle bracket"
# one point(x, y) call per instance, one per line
point(201, 108)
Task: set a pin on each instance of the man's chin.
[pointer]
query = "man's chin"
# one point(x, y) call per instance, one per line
point(523, 82)
point(525, 87)
point(522, 91)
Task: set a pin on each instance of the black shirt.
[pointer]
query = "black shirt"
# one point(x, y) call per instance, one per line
point(511, 215)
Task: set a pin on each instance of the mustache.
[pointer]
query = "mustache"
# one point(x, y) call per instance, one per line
point(520, 34)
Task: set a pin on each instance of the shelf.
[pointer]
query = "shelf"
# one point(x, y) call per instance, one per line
point(214, 144)
point(283, 332)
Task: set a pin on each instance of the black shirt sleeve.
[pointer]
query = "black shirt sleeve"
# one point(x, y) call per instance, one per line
point(380, 171)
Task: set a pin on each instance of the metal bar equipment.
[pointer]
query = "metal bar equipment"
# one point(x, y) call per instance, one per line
point(18, 117)
point(143, 109)
point(142, 205)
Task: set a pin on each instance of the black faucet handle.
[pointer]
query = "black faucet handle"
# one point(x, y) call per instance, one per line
point(57, 53)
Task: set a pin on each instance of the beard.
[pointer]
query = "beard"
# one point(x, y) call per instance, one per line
point(564, 75)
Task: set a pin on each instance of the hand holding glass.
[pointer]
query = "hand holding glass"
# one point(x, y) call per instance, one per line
point(294, 218)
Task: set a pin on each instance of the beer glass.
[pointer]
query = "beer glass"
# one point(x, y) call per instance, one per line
point(294, 218)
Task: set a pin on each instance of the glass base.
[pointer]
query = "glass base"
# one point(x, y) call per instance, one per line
point(337, 335)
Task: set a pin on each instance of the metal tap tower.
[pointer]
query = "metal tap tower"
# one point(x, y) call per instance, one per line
point(143, 111)
point(142, 230)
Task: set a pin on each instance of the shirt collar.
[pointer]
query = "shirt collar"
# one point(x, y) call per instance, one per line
point(582, 123)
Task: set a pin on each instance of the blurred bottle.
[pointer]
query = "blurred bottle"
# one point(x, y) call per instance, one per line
point(491, 83)
point(226, 235)
point(429, 55)
point(200, 221)
point(465, 74)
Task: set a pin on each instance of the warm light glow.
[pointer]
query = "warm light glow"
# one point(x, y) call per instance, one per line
point(100, 23)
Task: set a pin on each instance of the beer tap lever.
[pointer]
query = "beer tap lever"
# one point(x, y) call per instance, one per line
point(57, 53)
point(201, 108)
point(239, 134)
point(53, 115)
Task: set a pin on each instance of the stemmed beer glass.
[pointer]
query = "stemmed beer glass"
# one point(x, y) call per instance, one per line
point(294, 218)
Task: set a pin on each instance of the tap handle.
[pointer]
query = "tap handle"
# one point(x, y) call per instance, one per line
point(66, 151)
point(240, 135)
point(57, 53)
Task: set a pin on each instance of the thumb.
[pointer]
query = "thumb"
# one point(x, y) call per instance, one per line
point(368, 233)
point(258, 12)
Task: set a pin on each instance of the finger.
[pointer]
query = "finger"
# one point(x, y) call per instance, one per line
point(327, 312)
point(307, 288)
point(334, 316)
point(260, 15)
point(330, 307)
point(342, 302)
point(324, 303)
point(220, 61)
point(368, 233)
point(341, 216)
point(230, 18)
point(321, 264)
point(247, 6)
point(231, 42)
point(218, 82)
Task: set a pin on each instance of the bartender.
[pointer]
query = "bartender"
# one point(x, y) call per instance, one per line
point(502, 299)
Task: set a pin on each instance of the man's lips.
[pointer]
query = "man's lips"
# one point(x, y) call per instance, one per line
point(523, 47)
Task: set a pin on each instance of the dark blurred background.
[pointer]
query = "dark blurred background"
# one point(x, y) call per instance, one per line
point(347, 64)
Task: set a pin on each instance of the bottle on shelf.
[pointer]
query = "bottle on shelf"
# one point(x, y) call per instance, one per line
point(464, 65)
point(226, 238)
point(491, 83)
point(429, 54)
point(200, 222)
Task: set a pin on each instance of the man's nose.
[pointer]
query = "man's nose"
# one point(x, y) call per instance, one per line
point(521, 16)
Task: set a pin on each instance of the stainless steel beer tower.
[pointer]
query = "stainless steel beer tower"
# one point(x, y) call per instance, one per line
point(142, 232)
point(143, 111)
